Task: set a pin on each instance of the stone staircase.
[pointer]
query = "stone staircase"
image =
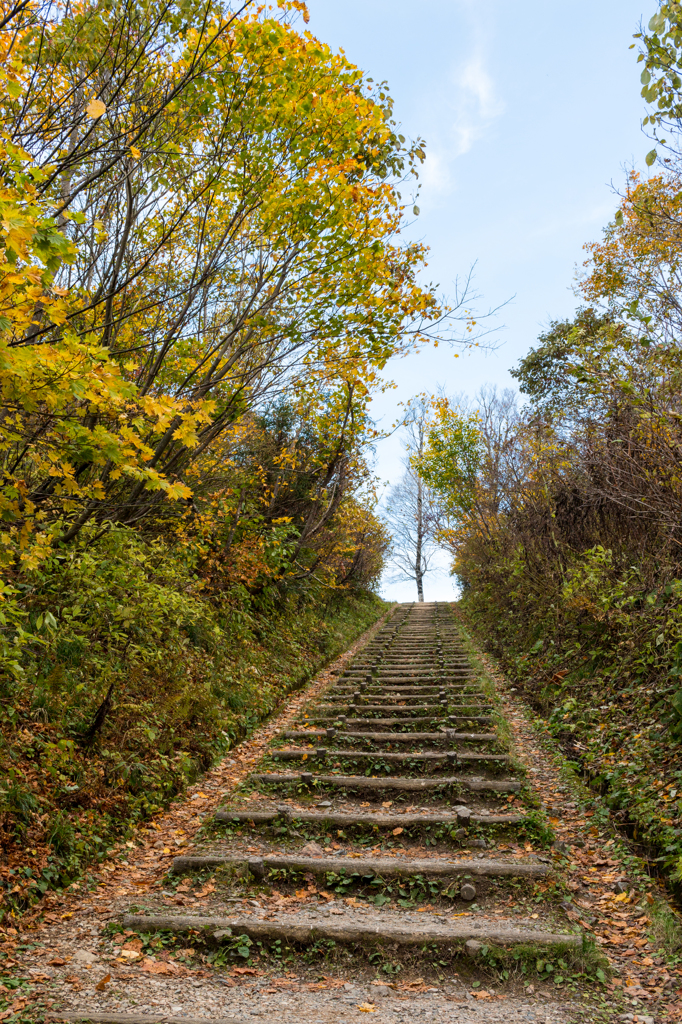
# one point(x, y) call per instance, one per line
point(384, 825)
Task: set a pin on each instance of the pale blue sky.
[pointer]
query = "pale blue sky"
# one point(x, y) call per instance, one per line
point(531, 114)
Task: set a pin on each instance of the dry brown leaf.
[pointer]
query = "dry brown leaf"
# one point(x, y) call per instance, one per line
point(161, 967)
point(101, 985)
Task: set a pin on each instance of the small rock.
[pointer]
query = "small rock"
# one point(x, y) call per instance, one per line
point(468, 891)
point(621, 887)
point(84, 956)
point(560, 847)
point(480, 843)
point(472, 946)
point(312, 850)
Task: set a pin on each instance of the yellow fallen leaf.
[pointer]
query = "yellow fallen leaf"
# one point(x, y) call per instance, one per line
point(95, 109)
point(367, 1008)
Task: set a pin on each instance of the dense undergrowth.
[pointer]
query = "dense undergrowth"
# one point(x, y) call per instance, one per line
point(599, 657)
point(130, 683)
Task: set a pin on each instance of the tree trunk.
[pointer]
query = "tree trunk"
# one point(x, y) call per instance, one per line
point(418, 571)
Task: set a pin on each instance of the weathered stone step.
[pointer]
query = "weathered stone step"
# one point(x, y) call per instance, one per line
point(434, 756)
point(388, 821)
point(446, 736)
point(395, 708)
point(387, 672)
point(396, 929)
point(142, 1018)
point(474, 785)
point(407, 700)
point(397, 721)
point(411, 693)
point(385, 867)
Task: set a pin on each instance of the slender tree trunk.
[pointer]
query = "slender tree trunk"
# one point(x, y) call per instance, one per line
point(418, 572)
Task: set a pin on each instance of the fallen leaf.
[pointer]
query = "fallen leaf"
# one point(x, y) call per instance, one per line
point(56, 961)
point(161, 967)
point(367, 1008)
point(206, 891)
point(95, 109)
point(244, 970)
point(101, 985)
point(397, 831)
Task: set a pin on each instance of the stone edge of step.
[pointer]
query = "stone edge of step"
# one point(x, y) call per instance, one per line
point(389, 782)
point(368, 865)
point(382, 820)
point(459, 931)
point(138, 1018)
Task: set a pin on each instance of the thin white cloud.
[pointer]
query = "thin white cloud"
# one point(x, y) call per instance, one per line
point(475, 102)
point(435, 176)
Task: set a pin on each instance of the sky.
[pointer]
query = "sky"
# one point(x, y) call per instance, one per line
point(531, 113)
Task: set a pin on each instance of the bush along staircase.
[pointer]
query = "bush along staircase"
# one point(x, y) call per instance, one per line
point(389, 830)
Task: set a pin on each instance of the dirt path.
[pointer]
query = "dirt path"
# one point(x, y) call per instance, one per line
point(374, 850)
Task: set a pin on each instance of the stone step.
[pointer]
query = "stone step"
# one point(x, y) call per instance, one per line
point(474, 785)
point(388, 821)
point(142, 1018)
point(384, 867)
point(446, 736)
point(433, 756)
point(358, 684)
point(398, 721)
point(395, 708)
point(398, 929)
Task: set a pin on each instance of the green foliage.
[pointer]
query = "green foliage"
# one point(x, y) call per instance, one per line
point(124, 634)
point(661, 76)
point(452, 458)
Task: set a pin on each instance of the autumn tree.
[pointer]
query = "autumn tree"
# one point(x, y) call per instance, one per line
point(207, 217)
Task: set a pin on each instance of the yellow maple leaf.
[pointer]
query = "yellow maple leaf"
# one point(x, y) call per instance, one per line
point(95, 109)
point(135, 152)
